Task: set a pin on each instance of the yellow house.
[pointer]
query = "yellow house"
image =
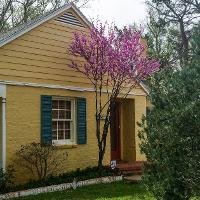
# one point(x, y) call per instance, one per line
point(42, 98)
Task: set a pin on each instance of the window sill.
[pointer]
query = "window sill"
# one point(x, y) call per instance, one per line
point(65, 146)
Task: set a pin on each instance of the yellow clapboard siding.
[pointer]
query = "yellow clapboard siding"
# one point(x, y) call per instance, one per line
point(71, 28)
point(55, 31)
point(36, 55)
point(53, 77)
point(19, 78)
point(39, 45)
point(44, 40)
point(32, 62)
point(52, 52)
point(64, 38)
point(34, 69)
point(60, 26)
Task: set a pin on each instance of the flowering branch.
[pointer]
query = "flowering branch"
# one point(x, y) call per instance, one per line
point(114, 62)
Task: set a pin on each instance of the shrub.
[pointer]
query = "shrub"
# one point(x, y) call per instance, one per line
point(41, 161)
point(6, 177)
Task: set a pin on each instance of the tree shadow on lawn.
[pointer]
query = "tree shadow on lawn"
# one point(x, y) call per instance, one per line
point(114, 191)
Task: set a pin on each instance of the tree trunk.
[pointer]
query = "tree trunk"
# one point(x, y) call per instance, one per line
point(185, 51)
point(103, 139)
point(100, 160)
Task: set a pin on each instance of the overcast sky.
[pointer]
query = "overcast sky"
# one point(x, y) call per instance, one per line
point(121, 12)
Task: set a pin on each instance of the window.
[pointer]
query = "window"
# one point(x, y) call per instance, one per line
point(63, 130)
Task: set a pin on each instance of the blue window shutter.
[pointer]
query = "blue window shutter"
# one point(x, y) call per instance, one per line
point(46, 120)
point(81, 121)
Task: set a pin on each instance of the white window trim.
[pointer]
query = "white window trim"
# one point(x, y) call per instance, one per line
point(73, 133)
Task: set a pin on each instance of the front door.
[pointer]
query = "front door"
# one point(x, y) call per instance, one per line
point(115, 133)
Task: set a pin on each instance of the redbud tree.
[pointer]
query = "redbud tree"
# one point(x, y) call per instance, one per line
point(115, 65)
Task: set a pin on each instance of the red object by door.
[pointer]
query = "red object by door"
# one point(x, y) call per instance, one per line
point(115, 133)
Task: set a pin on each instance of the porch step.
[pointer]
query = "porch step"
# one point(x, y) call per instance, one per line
point(131, 171)
point(123, 165)
point(135, 178)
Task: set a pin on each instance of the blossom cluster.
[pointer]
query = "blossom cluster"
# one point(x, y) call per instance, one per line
point(112, 56)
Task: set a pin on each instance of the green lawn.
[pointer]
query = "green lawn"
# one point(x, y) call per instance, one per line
point(118, 191)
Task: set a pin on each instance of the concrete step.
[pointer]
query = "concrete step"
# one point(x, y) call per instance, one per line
point(134, 178)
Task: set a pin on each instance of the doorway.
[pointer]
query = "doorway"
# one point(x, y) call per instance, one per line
point(115, 133)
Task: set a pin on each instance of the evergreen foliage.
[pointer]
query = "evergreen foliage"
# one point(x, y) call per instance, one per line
point(171, 132)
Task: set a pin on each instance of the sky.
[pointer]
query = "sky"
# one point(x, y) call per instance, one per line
point(121, 12)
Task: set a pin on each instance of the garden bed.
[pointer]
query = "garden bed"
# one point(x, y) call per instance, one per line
point(64, 181)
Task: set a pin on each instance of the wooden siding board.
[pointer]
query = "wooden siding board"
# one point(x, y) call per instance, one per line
point(44, 40)
point(47, 70)
point(56, 32)
point(51, 36)
point(45, 76)
point(40, 45)
point(19, 78)
point(35, 55)
point(62, 27)
point(28, 62)
point(39, 51)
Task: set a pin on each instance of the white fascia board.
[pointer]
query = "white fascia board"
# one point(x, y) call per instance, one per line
point(71, 88)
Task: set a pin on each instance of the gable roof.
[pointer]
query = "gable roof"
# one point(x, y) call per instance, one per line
point(18, 31)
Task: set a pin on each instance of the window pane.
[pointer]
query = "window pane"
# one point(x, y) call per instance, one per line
point(61, 125)
point(67, 134)
point(54, 126)
point(61, 104)
point(68, 105)
point(68, 114)
point(55, 114)
point(61, 134)
point(54, 135)
point(62, 114)
point(67, 125)
point(55, 104)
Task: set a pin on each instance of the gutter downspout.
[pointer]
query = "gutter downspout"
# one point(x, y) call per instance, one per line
point(4, 133)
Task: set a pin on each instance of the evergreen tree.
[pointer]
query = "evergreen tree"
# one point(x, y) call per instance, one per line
point(170, 133)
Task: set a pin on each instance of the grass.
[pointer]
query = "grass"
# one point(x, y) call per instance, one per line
point(114, 191)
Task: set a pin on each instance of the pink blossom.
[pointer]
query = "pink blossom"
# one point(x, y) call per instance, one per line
point(112, 58)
